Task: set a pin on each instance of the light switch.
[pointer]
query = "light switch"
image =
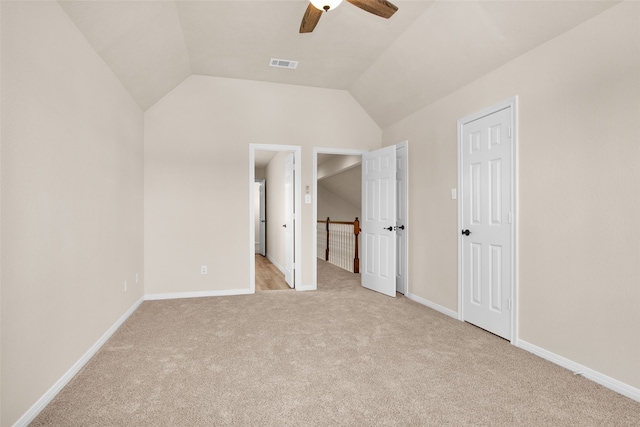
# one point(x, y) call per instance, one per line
point(454, 194)
point(307, 199)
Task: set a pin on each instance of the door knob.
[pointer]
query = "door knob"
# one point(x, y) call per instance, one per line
point(401, 227)
point(390, 228)
point(284, 225)
point(466, 232)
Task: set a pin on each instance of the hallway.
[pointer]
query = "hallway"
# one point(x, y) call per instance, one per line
point(268, 277)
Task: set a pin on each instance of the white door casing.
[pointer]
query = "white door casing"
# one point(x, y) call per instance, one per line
point(297, 152)
point(289, 221)
point(378, 263)
point(402, 217)
point(314, 197)
point(486, 219)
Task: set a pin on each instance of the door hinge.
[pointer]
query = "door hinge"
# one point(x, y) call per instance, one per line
point(509, 128)
point(509, 303)
point(510, 217)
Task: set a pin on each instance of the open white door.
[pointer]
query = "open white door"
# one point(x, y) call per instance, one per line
point(289, 221)
point(378, 266)
point(263, 219)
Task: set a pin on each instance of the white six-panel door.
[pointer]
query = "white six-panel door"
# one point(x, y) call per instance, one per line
point(486, 156)
point(289, 224)
point(263, 219)
point(378, 264)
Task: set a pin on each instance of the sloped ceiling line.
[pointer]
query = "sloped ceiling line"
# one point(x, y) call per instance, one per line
point(391, 67)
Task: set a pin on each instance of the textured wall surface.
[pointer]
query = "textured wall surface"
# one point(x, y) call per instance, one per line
point(72, 232)
point(196, 162)
point(579, 191)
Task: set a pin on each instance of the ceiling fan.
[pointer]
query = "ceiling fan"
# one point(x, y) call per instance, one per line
point(314, 11)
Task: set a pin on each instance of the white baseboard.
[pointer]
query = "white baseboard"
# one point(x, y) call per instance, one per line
point(278, 266)
point(433, 305)
point(595, 376)
point(178, 295)
point(37, 407)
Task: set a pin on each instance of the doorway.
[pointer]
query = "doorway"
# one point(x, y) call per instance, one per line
point(399, 226)
point(282, 199)
point(347, 157)
point(487, 219)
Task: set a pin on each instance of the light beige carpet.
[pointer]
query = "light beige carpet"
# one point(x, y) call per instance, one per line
point(339, 356)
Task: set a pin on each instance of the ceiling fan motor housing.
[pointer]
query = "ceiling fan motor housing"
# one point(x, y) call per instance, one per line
point(325, 5)
point(314, 10)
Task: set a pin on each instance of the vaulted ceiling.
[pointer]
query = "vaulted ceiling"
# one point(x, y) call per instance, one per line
point(391, 67)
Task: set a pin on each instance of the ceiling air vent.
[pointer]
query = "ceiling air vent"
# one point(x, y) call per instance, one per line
point(283, 63)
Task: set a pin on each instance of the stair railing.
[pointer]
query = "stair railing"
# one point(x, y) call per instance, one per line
point(338, 240)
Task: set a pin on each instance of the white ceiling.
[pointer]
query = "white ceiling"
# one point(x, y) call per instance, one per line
point(392, 67)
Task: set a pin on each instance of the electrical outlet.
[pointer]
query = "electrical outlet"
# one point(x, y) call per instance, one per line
point(125, 286)
point(203, 269)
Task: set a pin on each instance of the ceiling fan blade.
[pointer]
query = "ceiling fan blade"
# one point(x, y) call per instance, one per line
point(378, 7)
point(310, 19)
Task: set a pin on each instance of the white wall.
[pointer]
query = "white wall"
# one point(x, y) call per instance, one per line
point(337, 164)
point(72, 146)
point(335, 207)
point(579, 191)
point(196, 183)
point(340, 188)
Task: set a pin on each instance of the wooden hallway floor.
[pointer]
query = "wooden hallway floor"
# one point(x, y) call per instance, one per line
point(268, 277)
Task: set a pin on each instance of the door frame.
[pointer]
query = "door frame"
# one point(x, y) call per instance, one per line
point(314, 206)
point(289, 220)
point(513, 103)
point(261, 209)
point(405, 265)
point(314, 200)
point(296, 150)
